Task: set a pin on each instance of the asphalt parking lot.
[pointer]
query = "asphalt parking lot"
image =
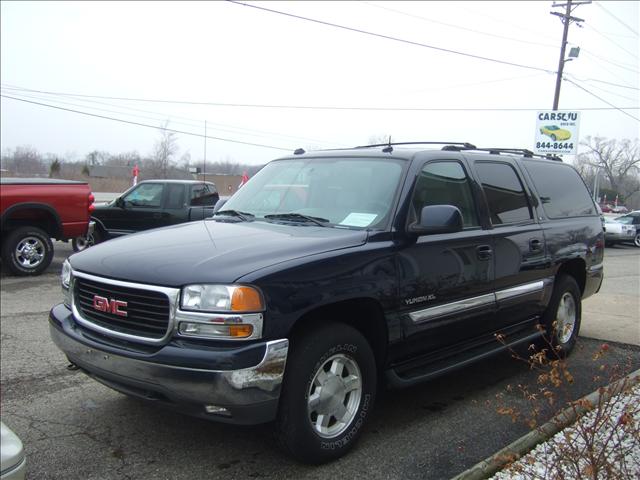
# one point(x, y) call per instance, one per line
point(75, 428)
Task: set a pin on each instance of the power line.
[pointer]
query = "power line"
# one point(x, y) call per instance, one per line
point(145, 125)
point(332, 107)
point(459, 27)
point(191, 122)
point(612, 93)
point(601, 99)
point(615, 64)
point(607, 83)
point(613, 43)
point(616, 18)
point(388, 37)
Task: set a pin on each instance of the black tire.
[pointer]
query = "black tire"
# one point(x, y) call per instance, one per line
point(27, 251)
point(554, 138)
point(82, 243)
point(636, 240)
point(562, 317)
point(330, 345)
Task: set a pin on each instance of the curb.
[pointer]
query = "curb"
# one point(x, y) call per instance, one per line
point(527, 442)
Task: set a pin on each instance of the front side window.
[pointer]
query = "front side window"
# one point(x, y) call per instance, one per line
point(175, 195)
point(145, 195)
point(340, 192)
point(445, 183)
point(504, 193)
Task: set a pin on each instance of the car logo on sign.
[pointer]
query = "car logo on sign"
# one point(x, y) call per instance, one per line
point(106, 305)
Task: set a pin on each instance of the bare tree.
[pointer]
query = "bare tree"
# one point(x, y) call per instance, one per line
point(164, 150)
point(24, 160)
point(617, 160)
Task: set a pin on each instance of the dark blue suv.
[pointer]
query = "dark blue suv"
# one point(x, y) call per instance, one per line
point(331, 274)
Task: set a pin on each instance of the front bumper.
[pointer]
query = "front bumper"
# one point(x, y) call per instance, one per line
point(176, 376)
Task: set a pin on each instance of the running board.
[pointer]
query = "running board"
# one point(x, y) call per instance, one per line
point(443, 366)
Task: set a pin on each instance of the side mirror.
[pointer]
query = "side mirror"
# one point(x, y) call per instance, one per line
point(437, 219)
point(119, 202)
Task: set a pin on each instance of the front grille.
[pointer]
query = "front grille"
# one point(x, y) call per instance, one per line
point(148, 311)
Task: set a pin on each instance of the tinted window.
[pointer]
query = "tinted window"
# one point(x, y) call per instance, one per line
point(445, 183)
point(203, 194)
point(145, 195)
point(562, 191)
point(175, 195)
point(504, 193)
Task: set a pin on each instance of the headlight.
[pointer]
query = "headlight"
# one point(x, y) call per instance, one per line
point(221, 311)
point(221, 298)
point(65, 278)
point(66, 274)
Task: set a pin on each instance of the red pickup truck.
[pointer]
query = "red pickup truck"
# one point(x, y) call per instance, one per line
point(32, 212)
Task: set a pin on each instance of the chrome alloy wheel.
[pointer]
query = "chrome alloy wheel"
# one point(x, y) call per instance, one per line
point(334, 396)
point(565, 318)
point(30, 252)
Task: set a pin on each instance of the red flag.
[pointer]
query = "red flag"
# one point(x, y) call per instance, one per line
point(245, 179)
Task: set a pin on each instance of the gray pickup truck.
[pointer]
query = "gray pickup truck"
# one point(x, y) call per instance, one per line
point(151, 204)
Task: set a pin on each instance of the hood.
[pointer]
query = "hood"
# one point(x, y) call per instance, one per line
point(208, 251)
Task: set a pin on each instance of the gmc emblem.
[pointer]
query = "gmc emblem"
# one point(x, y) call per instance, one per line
point(103, 304)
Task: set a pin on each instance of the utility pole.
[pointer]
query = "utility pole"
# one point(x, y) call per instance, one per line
point(566, 20)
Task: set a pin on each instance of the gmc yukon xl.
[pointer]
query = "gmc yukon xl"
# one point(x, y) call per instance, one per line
point(331, 274)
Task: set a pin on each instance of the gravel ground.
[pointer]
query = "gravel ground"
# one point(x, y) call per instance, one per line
point(617, 437)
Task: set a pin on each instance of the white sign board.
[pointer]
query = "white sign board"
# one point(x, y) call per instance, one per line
point(557, 132)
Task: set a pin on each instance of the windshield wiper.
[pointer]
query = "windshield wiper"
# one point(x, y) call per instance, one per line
point(244, 216)
point(297, 217)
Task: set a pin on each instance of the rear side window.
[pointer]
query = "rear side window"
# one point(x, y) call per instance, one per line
point(504, 193)
point(562, 191)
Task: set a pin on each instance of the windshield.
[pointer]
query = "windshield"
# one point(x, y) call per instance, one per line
point(351, 193)
point(625, 219)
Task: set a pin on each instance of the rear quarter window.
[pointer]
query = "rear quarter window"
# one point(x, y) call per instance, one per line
point(562, 191)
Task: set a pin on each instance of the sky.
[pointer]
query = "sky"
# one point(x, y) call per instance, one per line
point(473, 72)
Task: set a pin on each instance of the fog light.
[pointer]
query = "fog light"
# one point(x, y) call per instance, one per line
point(217, 410)
point(215, 330)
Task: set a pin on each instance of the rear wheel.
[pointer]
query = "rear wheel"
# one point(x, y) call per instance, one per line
point(328, 393)
point(27, 251)
point(562, 317)
point(636, 241)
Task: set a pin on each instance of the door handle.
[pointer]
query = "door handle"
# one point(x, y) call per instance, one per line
point(484, 252)
point(535, 245)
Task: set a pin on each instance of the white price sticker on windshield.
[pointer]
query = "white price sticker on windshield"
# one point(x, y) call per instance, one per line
point(359, 219)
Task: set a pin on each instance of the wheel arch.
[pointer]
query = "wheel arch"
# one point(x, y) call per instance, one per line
point(576, 268)
point(364, 314)
point(38, 215)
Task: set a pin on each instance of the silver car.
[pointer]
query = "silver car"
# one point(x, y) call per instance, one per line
point(14, 462)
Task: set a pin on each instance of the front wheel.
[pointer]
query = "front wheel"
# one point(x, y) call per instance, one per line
point(636, 241)
point(328, 393)
point(27, 251)
point(82, 243)
point(562, 317)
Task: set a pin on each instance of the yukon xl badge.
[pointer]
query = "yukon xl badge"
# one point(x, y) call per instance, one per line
point(426, 298)
point(103, 304)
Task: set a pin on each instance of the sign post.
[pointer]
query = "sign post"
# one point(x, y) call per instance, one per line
point(557, 132)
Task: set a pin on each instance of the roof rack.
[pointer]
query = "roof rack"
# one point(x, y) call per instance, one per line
point(465, 145)
point(498, 150)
